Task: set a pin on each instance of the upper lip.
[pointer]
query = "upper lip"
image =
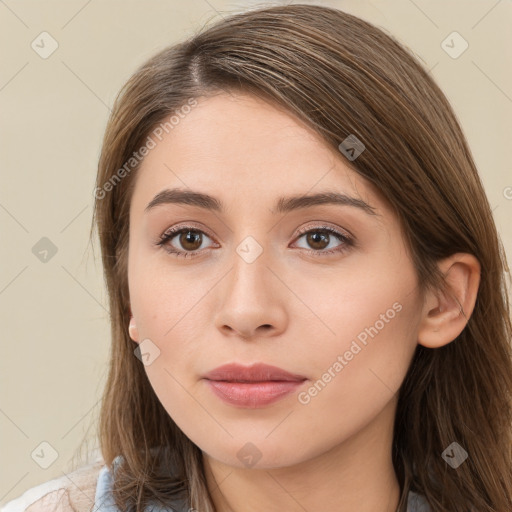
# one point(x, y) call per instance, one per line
point(257, 372)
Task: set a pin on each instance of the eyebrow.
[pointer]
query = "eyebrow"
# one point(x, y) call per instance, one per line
point(283, 204)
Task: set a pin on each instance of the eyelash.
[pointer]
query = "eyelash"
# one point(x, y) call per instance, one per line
point(172, 232)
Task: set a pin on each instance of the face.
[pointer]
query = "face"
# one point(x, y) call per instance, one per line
point(325, 290)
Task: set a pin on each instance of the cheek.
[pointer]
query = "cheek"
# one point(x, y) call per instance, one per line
point(166, 308)
point(367, 320)
point(170, 313)
point(163, 298)
point(358, 371)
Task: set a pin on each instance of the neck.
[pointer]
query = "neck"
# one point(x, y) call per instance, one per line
point(355, 475)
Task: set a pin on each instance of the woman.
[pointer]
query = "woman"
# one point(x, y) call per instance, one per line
point(307, 289)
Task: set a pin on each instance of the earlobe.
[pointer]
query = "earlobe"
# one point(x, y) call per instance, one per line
point(132, 329)
point(446, 313)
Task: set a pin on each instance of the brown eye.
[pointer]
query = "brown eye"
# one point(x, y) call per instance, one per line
point(317, 239)
point(190, 240)
point(184, 242)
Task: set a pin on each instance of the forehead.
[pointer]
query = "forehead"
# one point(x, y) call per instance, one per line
point(233, 145)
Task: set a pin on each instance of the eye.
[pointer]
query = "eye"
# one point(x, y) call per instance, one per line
point(190, 239)
point(320, 238)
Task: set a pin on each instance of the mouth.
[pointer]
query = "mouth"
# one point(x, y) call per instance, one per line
point(252, 387)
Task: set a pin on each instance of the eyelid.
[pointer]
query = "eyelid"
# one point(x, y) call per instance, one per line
point(319, 225)
point(185, 225)
point(310, 226)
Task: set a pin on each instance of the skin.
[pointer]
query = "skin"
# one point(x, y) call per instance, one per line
point(288, 308)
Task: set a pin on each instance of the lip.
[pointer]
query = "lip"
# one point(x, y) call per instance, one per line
point(258, 372)
point(252, 386)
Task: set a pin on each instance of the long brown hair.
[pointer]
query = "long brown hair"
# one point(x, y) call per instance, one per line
point(342, 76)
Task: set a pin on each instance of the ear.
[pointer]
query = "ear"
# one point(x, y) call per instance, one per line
point(446, 313)
point(132, 329)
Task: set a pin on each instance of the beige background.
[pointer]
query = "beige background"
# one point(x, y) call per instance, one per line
point(55, 345)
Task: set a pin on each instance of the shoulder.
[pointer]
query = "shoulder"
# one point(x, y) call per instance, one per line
point(74, 492)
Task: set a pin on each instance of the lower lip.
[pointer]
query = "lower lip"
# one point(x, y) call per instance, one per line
point(252, 394)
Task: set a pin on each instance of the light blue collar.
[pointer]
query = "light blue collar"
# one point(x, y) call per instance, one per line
point(104, 501)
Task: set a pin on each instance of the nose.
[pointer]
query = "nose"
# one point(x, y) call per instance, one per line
point(251, 301)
